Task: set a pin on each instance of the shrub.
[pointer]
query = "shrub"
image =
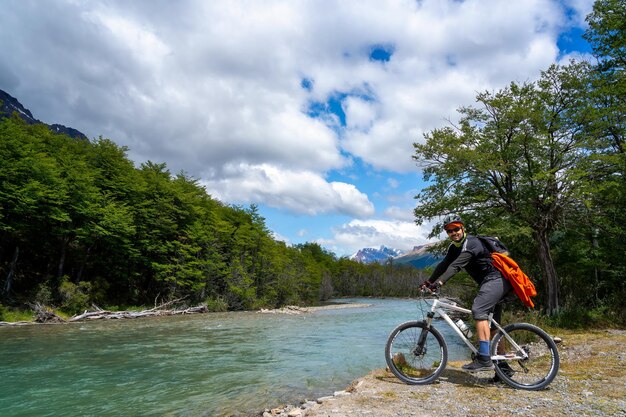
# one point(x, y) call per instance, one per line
point(75, 297)
point(585, 318)
point(44, 294)
point(216, 304)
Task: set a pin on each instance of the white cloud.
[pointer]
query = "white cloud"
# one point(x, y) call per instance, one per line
point(399, 213)
point(358, 234)
point(444, 55)
point(393, 183)
point(565, 59)
point(580, 8)
point(142, 43)
point(278, 237)
point(299, 191)
point(360, 114)
point(215, 88)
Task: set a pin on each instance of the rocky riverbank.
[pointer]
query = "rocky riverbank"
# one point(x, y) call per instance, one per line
point(591, 382)
point(301, 310)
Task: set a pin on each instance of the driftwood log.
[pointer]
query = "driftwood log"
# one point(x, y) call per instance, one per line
point(105, 314)
point(45, 314)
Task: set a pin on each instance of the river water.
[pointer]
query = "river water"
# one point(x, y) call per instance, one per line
point(198, 365)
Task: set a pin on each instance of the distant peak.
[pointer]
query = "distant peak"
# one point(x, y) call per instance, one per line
point(380, 255)
point(9, 105)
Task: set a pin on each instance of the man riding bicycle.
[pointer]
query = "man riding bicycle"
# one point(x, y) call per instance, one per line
point(468, 253)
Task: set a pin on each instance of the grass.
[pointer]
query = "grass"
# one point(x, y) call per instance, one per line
point(577, 318)
point(595, 363)
point(389, 394)
point(12, 316)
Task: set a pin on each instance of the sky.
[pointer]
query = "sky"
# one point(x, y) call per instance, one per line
point(306, 108)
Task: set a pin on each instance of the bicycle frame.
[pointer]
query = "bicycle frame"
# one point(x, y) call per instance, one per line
point(440, 307)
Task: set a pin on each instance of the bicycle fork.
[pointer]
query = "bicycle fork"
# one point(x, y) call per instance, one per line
point(420, 348)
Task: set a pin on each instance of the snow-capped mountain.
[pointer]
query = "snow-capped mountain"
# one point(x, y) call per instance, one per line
point(418, 257)
point(380, 255)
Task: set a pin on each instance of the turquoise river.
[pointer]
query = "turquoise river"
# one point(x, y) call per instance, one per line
point(216, 364)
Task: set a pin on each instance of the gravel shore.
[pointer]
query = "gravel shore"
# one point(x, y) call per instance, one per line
point(591, 382)
point(302, 310)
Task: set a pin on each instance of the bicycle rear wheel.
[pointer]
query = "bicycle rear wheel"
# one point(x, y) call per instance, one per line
point(541, 365)
point(414, 362)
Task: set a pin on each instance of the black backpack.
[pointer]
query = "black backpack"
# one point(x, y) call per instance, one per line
point(493, 244)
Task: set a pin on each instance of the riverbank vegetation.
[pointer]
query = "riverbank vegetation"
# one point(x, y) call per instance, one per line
point(80, 225)
point(539, 164)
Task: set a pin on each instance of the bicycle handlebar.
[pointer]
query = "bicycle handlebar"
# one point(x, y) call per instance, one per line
point(435, 292)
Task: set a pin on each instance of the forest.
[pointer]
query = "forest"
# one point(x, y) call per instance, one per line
point(80, 225)
point(539, 164)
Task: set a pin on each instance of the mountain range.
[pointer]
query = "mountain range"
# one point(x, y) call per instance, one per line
point(371, 255)
point(418, 257)
point(10, 105)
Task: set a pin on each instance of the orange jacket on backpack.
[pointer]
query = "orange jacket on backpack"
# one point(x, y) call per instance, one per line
point(521, 284)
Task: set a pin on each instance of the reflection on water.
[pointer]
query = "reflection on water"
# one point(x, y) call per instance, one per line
point(197, 365)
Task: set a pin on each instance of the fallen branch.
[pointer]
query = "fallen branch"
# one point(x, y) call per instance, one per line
point(45, 314)
point(166, 304)
point(156, 311)
point(15, 323)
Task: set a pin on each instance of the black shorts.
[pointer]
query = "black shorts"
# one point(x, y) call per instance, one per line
point(492, 290)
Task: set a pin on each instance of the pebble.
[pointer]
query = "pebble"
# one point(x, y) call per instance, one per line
point(308, 404)
point(321, 400)
point(301, 411)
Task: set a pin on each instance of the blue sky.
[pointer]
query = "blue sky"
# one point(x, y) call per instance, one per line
point(306, 108)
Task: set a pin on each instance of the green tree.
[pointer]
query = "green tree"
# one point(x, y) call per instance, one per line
point(521, 156)
point(33, 193)
point(607, 34)
point(79, 224)
point(603, 213)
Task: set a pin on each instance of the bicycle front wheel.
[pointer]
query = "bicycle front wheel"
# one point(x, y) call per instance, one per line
point(416, 354)
point(533, 365)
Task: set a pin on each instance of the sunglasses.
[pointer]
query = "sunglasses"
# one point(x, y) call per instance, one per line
point(456, 229)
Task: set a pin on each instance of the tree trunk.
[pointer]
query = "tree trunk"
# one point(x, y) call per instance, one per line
point(61, 266)
point(326, 287)
point(11, 274)
point(596, 271)
point(82, 266)
point(547, 265)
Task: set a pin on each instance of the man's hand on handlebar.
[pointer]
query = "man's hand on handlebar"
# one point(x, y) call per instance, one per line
point(430, 286)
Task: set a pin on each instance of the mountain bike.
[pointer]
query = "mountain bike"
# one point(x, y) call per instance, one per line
point(526, 357)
